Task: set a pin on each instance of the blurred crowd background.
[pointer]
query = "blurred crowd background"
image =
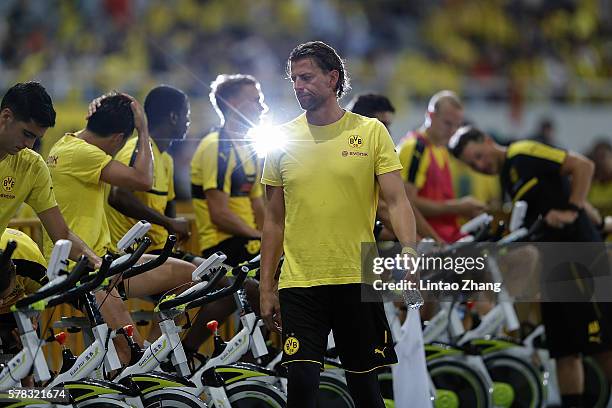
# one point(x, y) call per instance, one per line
point(508, 50)
point(525, 68)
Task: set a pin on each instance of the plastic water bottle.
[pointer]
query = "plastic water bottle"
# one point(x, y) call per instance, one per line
point(413, 298)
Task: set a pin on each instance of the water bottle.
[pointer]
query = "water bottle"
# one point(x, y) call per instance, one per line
point(413, 298)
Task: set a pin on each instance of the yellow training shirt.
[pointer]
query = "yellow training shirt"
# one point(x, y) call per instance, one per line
point(24, 178)
point(75, 167)
point(229, 167)
point(30, 265)
point(157, 198)
point(328, 174)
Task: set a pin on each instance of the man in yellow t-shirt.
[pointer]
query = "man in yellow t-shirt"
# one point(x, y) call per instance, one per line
point(380, 107)
point(225, 172)
point(322, 191)
point(81, 164)
point(225, 189)
point(26, 112)
point(167, 111)
point(24, 277)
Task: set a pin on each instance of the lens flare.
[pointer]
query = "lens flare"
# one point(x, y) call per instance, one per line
point(266, 138)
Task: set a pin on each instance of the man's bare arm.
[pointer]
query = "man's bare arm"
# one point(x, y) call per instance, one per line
point(55, 225)
point(400, 211)
point(224, 219)
point(271, 251)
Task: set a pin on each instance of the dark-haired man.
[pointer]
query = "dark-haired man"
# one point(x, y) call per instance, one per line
point(81, 165)
point(26, 112)
point(167, 110)
point(322, 190)
point(554, 183)
point(373, 106)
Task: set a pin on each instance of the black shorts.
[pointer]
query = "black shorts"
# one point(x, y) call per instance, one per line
point(237, 249)
point(361, 331)
point(577, 327)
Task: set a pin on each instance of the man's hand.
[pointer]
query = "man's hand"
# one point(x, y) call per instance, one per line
point(93, 106)
point(270, 309)
point(180, 227)
point(560, 218)
point(469, 207)
point(140, 118)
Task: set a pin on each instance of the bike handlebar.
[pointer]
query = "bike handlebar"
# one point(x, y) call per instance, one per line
point(153, 263)
point(79, 270)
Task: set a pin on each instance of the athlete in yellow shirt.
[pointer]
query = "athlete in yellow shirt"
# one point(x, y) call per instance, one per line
point(167, 111)
point(80, 165)
point(24, 277)
point(26, 112)
point(322, 190)
point(225, 187)
point(226, 192)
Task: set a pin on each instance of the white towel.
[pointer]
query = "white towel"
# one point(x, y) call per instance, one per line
point(411, 384)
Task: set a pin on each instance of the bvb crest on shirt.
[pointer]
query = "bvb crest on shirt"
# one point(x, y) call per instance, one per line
point(8, 183)
point(355, 141)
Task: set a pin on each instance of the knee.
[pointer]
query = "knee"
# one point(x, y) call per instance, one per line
point(251, 287)
point(181, 270)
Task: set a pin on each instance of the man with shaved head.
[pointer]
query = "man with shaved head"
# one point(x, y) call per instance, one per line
point(426, 169)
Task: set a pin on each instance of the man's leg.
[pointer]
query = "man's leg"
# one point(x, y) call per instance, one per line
point(306, 325)
point(365, 389)
point(115, 314)
point(566, 332)
point(235, 249)
point(570, 376)
point(173, 276)
point(303, 384)
point(605, 361)
point(363, 340)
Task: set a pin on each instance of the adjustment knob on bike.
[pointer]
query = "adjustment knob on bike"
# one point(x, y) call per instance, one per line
point(129, 330)
point(213, 325)
point(61, 338)
point(219, 344)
